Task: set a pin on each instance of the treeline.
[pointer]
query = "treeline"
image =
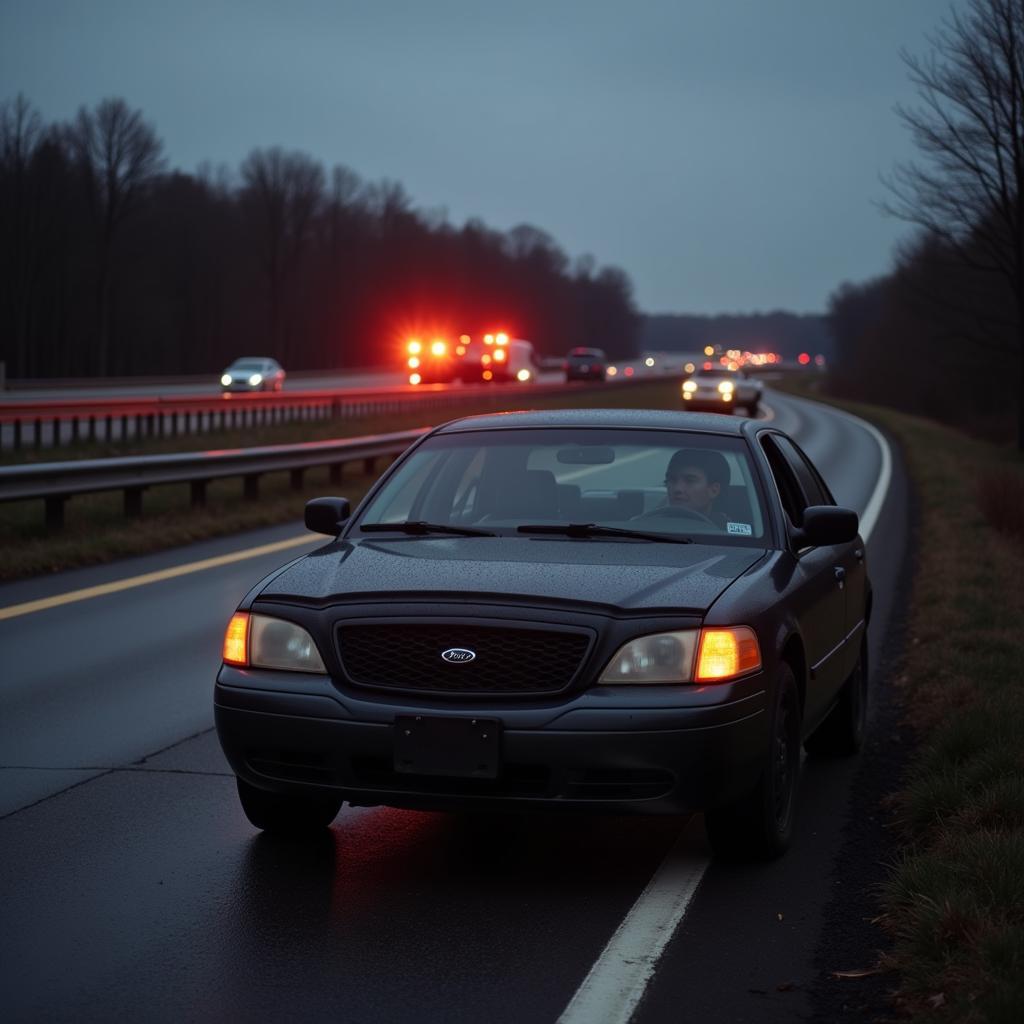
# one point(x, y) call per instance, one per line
point(778, 331)
point(934, 337)
point(112, 264)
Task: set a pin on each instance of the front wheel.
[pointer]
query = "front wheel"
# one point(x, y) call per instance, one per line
point(759, 826)
point(287, 815)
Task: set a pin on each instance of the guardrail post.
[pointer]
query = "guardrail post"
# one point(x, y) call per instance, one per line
point(92, 427)
point(55, 511)
point(38, 436)
point(198, 495)
point(17, 434)
point(75, 436)
point(251, 488)
point(56, 432)
point(124, 428)
point(133, 502)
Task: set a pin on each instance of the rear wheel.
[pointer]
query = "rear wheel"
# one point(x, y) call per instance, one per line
point(759, 826)
point(842, 731)
point(287, 815)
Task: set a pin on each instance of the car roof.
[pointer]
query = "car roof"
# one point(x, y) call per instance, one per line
point(630, 419)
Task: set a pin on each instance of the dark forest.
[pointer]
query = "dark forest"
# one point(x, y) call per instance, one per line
point(112, 264)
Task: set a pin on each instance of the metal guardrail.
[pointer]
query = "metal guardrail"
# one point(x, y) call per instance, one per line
point(56, 482)
point(107, 419)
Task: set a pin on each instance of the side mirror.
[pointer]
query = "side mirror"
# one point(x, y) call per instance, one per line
point(825, 525)
point(327, 515)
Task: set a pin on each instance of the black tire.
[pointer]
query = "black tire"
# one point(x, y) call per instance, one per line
point(842, 732)
point(287, 815)
point(759, 826)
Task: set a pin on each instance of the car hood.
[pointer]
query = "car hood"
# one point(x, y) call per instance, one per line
point(621, 575)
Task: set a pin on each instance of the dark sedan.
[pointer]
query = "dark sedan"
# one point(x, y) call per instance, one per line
point(586, 364)
point(621, 611)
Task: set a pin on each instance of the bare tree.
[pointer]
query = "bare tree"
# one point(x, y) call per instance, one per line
point(968, 192)
point(21, 129)
point(118, 155)
point(286, 190)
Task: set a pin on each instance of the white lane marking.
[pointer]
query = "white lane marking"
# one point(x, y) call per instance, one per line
point(869, 516)
point(616, 983)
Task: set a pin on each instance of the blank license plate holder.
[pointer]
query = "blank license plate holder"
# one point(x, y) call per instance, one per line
point(434, 745)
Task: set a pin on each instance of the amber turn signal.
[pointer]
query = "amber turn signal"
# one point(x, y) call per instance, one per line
point(236, 640)
point(725, 653)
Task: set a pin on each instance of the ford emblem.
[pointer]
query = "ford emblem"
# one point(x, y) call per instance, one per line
point(458, 655)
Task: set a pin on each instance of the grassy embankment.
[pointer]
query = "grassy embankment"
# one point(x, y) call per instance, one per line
point(96, 530)
point(954, 900)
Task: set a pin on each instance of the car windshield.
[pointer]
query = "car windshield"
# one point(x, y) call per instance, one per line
point(657, 482)
point(249, 366)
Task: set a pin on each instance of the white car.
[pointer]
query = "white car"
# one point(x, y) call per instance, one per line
point(720, 389)
point(253, 373)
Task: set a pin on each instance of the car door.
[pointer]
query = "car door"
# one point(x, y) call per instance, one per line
point(849, 558)
point(818, 588)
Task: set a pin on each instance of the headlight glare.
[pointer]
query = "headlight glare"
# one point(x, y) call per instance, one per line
point(725, 386)
point(226, 379)
point(275, 643)
point(690, 385)
point(659, 658)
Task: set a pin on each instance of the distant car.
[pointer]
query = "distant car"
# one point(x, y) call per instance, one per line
point(720, 389)
point(253, 373)
point(585, 364)
point(605, 610)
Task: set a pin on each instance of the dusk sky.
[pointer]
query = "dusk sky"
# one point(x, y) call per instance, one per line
point(725, 153)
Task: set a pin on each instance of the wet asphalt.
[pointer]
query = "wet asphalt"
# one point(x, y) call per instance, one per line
point(132, 886)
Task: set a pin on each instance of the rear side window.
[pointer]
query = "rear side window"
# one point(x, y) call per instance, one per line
point(791, 494)
point(813, 486)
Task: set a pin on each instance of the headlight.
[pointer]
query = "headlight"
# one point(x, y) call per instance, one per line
point(661, 658)
point(689, 385)
point(226, 380)
point(259, 641)
point(686, 656)
point(523, 375)
point(725, 386)
point(256, 378)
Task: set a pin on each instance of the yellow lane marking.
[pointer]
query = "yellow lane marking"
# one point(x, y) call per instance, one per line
point(14, 610)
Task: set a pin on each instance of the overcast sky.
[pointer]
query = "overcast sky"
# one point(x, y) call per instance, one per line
point(725, 153)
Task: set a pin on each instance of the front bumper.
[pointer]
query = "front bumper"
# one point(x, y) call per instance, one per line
point(608, 752)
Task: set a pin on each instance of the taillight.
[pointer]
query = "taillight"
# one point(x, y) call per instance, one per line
point(236, 640)
point(725, 653)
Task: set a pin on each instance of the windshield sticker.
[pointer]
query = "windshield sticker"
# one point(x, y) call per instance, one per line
point(743, 529)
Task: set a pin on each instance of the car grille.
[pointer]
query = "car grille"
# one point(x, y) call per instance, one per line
point(407, 656)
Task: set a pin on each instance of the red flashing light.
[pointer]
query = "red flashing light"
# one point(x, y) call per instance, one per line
point(803, 359)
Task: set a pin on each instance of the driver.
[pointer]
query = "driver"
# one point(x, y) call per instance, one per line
point(694, 479)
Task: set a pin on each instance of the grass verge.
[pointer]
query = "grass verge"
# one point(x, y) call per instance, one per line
point(96, 530)
point(953, 901)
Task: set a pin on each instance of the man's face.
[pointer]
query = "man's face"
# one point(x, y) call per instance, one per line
point(688, 487)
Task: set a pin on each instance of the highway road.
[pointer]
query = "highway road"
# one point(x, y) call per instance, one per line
point(133, 888)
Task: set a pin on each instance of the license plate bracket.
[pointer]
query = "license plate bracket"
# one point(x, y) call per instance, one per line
point(435, 745)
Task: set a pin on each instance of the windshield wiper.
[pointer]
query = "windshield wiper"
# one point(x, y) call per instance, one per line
point(418, 528)
point(596, 530)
